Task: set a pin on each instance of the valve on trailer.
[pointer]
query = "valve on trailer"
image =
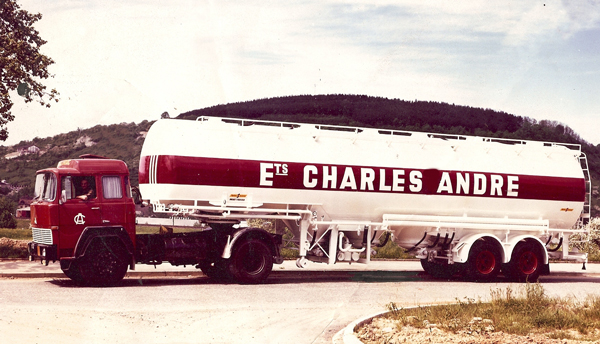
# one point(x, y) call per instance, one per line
point(346, 253)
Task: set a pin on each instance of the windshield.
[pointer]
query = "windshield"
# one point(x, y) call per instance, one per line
point(45, 186)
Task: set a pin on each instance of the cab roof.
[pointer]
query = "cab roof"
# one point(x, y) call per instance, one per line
point(95, 165)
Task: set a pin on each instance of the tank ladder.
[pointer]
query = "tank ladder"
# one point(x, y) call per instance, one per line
point(586, 213)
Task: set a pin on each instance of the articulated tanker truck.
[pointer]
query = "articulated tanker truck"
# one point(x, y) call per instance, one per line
point(463, 205)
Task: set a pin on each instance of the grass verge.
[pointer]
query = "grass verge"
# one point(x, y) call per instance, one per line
point(521, 312)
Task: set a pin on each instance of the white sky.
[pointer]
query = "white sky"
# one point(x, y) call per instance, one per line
point(128, 61)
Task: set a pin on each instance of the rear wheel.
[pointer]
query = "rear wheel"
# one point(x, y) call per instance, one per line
point(484, 261)
point(525, 263)
point(217, 270)
point(251, 262)
point(103, 264)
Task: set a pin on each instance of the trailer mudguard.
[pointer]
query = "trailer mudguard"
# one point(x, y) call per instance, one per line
point(461, 250)
point(512, 243)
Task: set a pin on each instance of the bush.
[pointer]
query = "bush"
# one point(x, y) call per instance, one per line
point(7, 211)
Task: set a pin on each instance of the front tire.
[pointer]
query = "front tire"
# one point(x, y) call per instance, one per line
point(74, 273)
point(103, 264)
point(251, 262)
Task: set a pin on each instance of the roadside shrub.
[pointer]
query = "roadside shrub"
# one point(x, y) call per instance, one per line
point(7, 211)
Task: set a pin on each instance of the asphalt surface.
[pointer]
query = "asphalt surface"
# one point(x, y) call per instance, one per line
point(333, 313)
point(10, 268)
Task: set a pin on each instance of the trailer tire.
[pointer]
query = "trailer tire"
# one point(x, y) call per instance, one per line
point(103, 264)
point(525, 263)
point(251, 262)
point(483, 264)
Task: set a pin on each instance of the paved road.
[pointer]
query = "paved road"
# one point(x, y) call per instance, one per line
point(295, 306)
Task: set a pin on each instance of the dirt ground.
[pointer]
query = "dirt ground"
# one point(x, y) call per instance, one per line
point(13, 247)
point(384, 330)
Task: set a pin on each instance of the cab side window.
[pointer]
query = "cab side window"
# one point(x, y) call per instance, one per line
point(111, 187)
point(81, 187)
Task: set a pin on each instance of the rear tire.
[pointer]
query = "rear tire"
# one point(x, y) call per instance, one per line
point(525, 263)
point(218, 270)
point(251, 262)
point(103, 264)
point(484, 261)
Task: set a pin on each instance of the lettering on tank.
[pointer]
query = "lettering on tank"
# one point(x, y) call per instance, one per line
point(180, 170)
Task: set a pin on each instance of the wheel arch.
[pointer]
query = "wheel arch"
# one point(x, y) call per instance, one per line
point(252, 233)
point(463, 247)
point(514, 241)
point(115, 235)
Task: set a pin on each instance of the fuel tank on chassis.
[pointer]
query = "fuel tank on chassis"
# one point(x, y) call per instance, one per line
point(359, 174)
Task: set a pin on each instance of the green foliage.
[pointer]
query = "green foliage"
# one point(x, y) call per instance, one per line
point(16, 234)
point(391, 251)
point(7, 213)
point(589, 244)
point(21, 63)
point(12, 252)
point(117, 141)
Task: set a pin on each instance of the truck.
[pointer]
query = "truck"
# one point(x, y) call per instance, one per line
point(463, 205)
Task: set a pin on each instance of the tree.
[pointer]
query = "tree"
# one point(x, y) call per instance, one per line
point(7, 211)
point(22, 66)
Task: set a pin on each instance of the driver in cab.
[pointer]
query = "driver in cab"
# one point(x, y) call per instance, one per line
point(85, 191)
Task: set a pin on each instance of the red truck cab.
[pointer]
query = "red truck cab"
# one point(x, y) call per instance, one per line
point(83, 210)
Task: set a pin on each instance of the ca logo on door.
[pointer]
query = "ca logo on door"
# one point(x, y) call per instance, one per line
point(79, 219)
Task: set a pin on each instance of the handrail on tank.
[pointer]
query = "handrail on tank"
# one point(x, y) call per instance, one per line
point(391, 132)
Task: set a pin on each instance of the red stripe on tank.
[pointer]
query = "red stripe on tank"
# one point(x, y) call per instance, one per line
point(293, 175)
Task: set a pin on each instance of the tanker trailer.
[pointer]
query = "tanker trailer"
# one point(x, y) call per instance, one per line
point(463, 204)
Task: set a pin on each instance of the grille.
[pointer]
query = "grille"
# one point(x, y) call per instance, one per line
point(42, 236)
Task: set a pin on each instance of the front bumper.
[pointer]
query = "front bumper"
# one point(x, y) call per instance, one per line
point(42, 252)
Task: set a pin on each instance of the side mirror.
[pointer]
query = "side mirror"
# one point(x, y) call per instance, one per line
point(63, 196)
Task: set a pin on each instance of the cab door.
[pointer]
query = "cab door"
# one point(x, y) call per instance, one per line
point(114, 201)
point(77, 212)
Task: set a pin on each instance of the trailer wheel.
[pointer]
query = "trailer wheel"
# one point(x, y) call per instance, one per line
point(484, 261)
point(525, 263)
point(103, 264)
point(251, 262)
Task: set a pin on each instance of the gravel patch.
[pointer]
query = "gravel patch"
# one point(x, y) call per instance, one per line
point(384, 330)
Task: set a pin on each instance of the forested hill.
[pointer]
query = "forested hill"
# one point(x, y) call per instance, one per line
point(393, 114)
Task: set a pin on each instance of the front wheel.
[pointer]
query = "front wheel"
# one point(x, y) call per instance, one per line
point(103, 264)
point(74, 273)
point(525, 263)
point(484, 261)
point(251, 262)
